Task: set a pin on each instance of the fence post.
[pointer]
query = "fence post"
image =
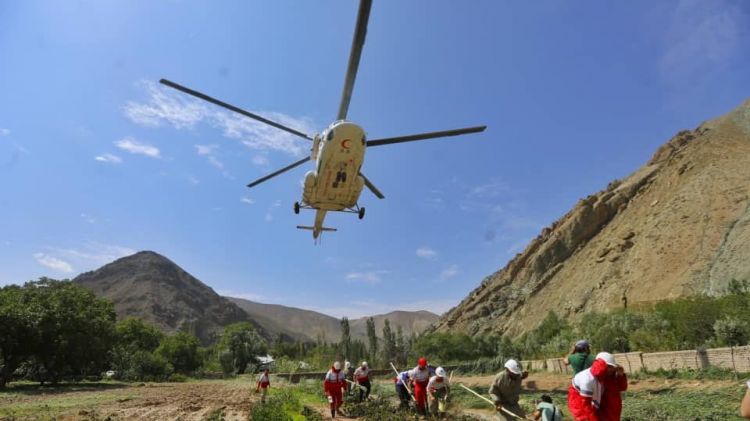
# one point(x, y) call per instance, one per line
point(734, 366)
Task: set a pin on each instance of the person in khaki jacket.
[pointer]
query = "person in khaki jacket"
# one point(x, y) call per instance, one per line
point(506, 390)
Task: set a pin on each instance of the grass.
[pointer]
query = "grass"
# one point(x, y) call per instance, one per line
point(14, 402)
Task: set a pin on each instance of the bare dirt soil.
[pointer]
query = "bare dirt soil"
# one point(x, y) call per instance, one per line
point(172, 401)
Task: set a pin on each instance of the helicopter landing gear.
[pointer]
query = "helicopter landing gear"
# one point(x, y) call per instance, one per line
point(361, 213)
point(296, 208)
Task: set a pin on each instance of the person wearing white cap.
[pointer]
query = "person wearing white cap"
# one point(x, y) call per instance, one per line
point(595, 393)
point(362, 377)
point(506, 390)
point(438, 390)
point(333, 386)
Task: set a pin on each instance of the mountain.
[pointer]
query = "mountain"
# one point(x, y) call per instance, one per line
point(307, 325)
point(151, 287)
point(678, 226)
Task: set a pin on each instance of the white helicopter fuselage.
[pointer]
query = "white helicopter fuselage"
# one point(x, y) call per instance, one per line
point(335, 184)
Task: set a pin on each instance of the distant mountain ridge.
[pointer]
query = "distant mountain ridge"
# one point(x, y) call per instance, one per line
point(151, 287)
point(308, 325)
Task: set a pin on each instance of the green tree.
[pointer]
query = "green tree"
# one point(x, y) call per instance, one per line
point(389, 343)
point(77, 330)
point(372, 338)
point(345, 344)
point(134, 333)
point(181, 350)
point(19, 338)
point(243, 344)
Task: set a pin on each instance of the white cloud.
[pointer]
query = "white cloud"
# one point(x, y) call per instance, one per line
point(4, 132)
point(700, 40)
point(92, 254)
point(426, 253)
point(271, 209)
point(210, 152)
point(245, 199)
point(139, 148)
point(449, 272)
point(260, 160)
point(181, 111)
point(88, 218)
point(206, 149)
point(53, 263)
point(192, 180)
point(369, 277)
point(109, 158)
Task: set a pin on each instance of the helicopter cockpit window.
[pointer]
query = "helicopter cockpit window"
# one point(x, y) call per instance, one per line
point(329, 136)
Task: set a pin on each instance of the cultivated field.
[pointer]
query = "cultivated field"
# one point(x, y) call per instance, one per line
point(648, 398)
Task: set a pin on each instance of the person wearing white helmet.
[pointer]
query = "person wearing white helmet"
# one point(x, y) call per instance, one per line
point(596, 393)
point(362, 377)
point(438, 390)
point(334, 386)
point(506, 390)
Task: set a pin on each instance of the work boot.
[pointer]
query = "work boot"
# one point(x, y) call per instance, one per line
point(333, 413)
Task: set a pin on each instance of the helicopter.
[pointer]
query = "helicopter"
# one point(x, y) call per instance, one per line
point(338, 151)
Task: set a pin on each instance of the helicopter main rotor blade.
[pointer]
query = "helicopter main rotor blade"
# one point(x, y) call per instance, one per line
point(358, 41)
point(275, 173)
point(372, 187)
point(232, 108)
point(424, 136)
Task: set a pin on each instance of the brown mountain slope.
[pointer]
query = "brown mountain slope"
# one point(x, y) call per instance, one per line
point(307, 325)
point(151, 287)
point(678, 226)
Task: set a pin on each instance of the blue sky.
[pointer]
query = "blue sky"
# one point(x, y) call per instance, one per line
point(98, 161)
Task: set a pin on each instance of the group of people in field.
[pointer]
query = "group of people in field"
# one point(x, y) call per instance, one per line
point(594, 393)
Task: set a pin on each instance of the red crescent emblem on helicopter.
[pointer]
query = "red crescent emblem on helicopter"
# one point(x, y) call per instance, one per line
point(345, 143)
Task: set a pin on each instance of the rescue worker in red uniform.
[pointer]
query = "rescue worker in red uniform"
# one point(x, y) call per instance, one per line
point(420, 377)
point(334, 386)
point(264, 382)
point(595, 393)
point(362, 377)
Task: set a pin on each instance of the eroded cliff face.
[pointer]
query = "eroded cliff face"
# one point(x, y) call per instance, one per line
point(678, 226)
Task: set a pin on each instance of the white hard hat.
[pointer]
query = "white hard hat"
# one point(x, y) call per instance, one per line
point(607, 357)
point(440, 371)
point(337, 365)
point(513, 366)
point(364, 363)
point(347, 365)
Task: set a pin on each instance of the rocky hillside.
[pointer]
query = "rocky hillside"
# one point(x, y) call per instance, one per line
point(151, 287)
point(678, 226)
point(307, 325)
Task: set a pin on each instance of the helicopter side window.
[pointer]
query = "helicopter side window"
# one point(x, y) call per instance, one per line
point(329, 136)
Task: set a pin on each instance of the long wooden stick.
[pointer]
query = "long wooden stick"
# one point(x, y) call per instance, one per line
point(405, 385)
point(493, 403)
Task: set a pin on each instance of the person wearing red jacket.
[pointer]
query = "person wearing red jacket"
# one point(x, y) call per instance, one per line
point(334, 386)
point(420, 377)
point(595, 393)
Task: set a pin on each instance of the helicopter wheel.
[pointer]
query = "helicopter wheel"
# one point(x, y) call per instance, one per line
point(361, 213)
point(296, 208)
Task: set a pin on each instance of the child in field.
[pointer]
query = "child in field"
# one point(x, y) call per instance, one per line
point(264, 382)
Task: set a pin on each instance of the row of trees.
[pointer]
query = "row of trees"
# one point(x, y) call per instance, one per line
point(688, 323)
point(53, 330)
